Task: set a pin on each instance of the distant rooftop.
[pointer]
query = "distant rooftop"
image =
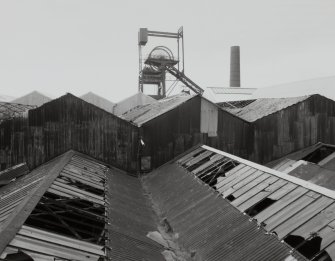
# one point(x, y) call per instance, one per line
point(144, 113)
point(262, 107)
point(34, 98)
point(98, 101)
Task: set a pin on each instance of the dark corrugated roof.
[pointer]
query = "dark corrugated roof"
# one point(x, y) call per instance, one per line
point(19, 198)
point(206, 223)
point(130, 219)
point(142, 114)
point(299, 212)
point(263, 107)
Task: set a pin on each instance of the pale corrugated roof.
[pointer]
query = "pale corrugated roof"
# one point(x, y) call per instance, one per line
point(131, 102)
point(263, 107)
point(142, 114)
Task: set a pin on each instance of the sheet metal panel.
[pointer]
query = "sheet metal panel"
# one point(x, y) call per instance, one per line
point(209, 224)
point(130, 218)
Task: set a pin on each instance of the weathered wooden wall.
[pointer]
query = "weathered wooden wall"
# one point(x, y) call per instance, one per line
point(172, 133)
point(294, 128)
point(71, 123)
point(13, 142)
point(176, 131)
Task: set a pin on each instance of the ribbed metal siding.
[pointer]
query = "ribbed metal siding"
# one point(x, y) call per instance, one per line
point(207, 223)
point(130, 218)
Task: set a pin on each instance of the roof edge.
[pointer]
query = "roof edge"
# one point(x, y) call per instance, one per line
point(316, 188)
point(19, 216)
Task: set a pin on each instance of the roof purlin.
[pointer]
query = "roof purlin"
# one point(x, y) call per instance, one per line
point(18, 217)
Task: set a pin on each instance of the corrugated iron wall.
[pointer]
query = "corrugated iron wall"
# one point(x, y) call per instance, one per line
point(69, 123)
point(294, 128)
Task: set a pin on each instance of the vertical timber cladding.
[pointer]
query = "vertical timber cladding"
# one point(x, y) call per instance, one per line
point(71, 123)
point(12, 141)
point(171, 133)
point(193, 122)
point(235, 135)
point(294, 128)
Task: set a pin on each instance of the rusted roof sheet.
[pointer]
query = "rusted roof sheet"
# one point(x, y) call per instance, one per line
point(299, 212)
point(263, 107)
point(131, 218)
point(207, 224)
point(142, 114)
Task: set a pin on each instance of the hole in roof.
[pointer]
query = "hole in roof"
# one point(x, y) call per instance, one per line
point(308, 248)
point(319, 154)
point(20, 256)
point(199, 163)
point(230, 197)
point(259, 207)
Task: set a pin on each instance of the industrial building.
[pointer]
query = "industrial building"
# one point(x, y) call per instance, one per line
point(168, 177)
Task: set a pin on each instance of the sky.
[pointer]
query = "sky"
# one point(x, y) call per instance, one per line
point(77, 46)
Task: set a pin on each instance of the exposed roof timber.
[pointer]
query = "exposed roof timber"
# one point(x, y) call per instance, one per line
point(300, 182)
point(21, 213)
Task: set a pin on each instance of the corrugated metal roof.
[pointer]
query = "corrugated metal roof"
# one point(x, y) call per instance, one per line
point(131, 218)
point(263, 107)
point(207, 224)
point(19, 198)
point(131, 102)
point(299, 212)
point(73, 188)
point(8, 175)
point(142, 114)
point(98, 101)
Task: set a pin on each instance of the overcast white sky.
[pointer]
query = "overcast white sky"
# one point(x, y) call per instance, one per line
point(78, 46)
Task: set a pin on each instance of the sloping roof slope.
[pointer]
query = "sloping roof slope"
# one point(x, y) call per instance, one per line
point(34, 98)
point(98, 101)
point(263, 107)
point(131, 102)
point(296, 211)
point(224, 94)
point(58, 211)
point(142, 114)
point(315, 164)
point(206, 223)
point(11, 110)
point(6, 98)
point(131, 219)
point(324, 86)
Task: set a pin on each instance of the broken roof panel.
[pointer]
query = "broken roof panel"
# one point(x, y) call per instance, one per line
point(263, 107)
point(59, 211)
point(142, 114)
point(278, 202)
point(208, 224)
point(315, 164)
